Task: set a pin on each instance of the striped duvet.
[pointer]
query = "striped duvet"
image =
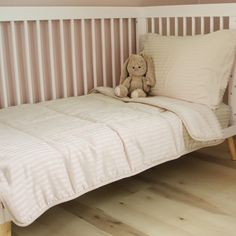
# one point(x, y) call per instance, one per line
point(55, 151)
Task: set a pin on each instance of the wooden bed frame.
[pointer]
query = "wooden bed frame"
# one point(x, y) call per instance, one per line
point(232, 149)
point(167, 20)
point(5, 229)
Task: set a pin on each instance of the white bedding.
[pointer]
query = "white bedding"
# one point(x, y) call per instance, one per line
point(55, 151)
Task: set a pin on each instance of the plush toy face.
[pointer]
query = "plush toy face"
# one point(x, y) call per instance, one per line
point(137, 66)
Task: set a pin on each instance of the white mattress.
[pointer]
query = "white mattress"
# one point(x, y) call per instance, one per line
point(56, 151)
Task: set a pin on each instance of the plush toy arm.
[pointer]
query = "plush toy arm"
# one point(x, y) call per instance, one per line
point(150, 81)
point(146, 86)
point(126, 82)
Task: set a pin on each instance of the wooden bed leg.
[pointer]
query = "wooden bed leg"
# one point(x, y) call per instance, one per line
point(5, 229)
point(232, 148)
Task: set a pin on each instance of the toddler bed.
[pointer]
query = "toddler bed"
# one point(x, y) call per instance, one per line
point(57, 150)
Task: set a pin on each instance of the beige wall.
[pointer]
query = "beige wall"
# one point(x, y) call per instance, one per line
point(104, 2)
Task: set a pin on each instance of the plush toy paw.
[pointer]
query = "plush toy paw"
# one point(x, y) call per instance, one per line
point(134, 94)
point(117, 91)
point(138, 93)
point(121, 91)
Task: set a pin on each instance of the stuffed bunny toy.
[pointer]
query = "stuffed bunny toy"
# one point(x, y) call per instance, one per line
point(137, 77)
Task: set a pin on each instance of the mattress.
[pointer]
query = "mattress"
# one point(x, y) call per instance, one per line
point(56, 151)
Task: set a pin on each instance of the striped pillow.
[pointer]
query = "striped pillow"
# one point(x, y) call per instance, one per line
point(192, 68)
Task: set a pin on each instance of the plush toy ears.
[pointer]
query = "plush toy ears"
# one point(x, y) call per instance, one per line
point(124, 72)
point(150, 69)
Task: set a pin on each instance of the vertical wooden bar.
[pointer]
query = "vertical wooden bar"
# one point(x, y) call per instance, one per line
point(153, 25)
point(3, 72)
point(121, 42)
point(193, 25)
point(28, 64)
point(176, 27)
point(72, 32)
point(221, 22)
point(141, 29)
point(16, 66)
point(104, 68)
point(232, 148)
point(84, 57)
point(5, 229)
point(211, 24)
point(113, 53)
point(202, 25)
point(94, 54)
point(63, 59)
point(161, 26)
point(184, 26)
point(168, 26)
point(130, 35)
point(52, 64)
point(40, 61)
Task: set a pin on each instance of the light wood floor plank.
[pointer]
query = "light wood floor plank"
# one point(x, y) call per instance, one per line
point(101, 220)
point(141, 219)
point(59, 222)
point(183, 216)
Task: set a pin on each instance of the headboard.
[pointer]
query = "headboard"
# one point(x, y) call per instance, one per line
point(54, 52)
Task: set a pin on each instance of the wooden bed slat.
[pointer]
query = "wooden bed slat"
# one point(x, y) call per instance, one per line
point(63, 59)
point(130, 35)
point(74, 73)
point(94, 54)
point(104, 64)
point(121, 42)
point(28, 63)
point(40, 61)
point(52, 66)
point(3, 72)
point(16, 65)
point(113, 53)
point(84, 57)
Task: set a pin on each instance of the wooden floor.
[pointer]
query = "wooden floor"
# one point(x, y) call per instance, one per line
point(194, 195)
